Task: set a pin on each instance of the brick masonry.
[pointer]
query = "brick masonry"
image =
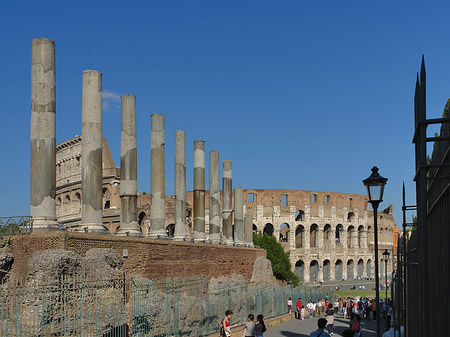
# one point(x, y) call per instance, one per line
point(149, 258)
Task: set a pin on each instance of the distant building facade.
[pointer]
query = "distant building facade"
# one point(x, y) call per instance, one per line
point(329, 235)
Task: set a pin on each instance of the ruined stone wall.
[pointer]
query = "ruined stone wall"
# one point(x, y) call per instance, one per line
point(145, 257)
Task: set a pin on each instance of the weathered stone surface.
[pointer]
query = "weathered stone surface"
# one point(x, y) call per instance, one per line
point(6, 261)
point(53, 264)
point(262, 272)
point(102, 262)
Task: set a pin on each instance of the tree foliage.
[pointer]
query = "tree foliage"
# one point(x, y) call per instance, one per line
point(281, 266)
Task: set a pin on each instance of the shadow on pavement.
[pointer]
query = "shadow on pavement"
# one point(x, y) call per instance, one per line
point(292, 334)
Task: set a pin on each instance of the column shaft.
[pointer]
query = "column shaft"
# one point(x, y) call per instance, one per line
point(91, 152)
point(214, 196)
point(227, 185)
point(248, 229)
point(180, 186)
point(199, 190)
point(239, 215)
point(43, 136)
point(128, 168)
point(158, 194)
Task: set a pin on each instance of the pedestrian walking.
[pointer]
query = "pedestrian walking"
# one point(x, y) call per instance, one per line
point(260, 326)
point(298, 305)
point(321, 324)
point(226, 324)
point(329, 315)
point(250, 326)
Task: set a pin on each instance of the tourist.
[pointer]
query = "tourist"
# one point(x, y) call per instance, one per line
point(260, 326)
point(329, 315)
point(321, 324)
point(336, 305)
point(374, 310)
point(310, 308)
point(356, 325)
point(250, 326)
point(226, 323)
point(303, 313)
point(289, 304)
point(319, 307)
point(298, 305)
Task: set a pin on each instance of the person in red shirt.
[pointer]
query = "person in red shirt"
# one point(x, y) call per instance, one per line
point(298, 305)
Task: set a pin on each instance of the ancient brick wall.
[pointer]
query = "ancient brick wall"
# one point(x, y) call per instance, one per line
point(144, 257)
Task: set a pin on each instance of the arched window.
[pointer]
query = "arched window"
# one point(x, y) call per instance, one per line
point(350, 231)
point(268, 229)
point(300, 237)
point(360, 236)
point(327, 235)
point(314, 271)
point(284, 232)
point(300, 270)
point(339, 231)
point(314, 236)
point(170, 230)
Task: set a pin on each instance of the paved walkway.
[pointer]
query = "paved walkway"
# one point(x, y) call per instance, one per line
point(299, 328)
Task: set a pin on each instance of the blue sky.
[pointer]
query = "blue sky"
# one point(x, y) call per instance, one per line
point(302, 95)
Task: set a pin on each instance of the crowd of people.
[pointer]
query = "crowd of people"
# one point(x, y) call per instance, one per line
point(357, 310)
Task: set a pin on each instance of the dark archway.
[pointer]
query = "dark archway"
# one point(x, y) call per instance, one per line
point(339, 231)
point(300, 237)
point(255, 229)
point(350, 270)
point(314, 271)
point(299, 215)
point(360, 268)
point(314, 236)
point(338, 270)
point(350, 233)
point(369, 268)
point(326, 270)
point(327, 236)
point(360, 236)
point(141, 218)
point(300, 270)
point(268, 229)
point(170, 230)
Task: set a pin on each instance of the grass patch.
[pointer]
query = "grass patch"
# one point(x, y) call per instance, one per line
point(362, 293)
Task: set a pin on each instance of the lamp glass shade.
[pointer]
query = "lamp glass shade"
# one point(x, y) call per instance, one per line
point(375, 186)
point(386, 255)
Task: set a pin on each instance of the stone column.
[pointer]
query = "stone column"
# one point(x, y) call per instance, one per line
point(158, 193)
point(91, 153)
point(180, 186)
point(214, 196)
point(227, 228)
point(199, 190)
point(43, 136)
point(128, 168)
point(248, 230)
point(239, 215)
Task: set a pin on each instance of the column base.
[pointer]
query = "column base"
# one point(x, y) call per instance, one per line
point(131, 232)
point(158, 235)
point(180, 237)
point(93, 228)
point(43, 224)
point(215, 238)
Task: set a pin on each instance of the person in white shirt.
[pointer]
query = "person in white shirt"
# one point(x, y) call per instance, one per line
point(310, 308)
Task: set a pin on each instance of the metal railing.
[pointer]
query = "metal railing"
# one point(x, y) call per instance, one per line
point(15, 225)
point(117, 306)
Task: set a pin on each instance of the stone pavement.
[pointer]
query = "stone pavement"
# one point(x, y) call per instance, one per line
point(299, 328)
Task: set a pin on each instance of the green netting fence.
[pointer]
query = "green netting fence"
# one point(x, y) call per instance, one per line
point(121, 307)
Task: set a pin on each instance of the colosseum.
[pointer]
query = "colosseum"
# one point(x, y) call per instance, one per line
point(329, 235)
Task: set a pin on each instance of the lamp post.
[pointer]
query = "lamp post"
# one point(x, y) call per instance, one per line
point(375, 188)
point(386, 260)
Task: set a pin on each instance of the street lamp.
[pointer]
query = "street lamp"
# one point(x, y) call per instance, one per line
point(386, 260)
point(375, 188)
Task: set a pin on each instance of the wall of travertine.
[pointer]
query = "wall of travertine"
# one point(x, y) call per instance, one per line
point(145, 257)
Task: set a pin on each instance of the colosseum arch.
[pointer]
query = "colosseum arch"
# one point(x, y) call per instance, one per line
point(58, 206)
point(338, 270)
point(284, 232)
point(67, 204)
point(350, 233)
point(339, 233)
point(299, 215)
point(78, 202)
point(314, 236)
point(350, 217)
point(361, 236)
point(300, 237)
point(106, 198)
point(369, 268)
point(170, 230)
point(369, 235)
point(327, 235)
point(255, 229)
point(314, 271)
point(268, 229)
point(300, 270)
point(350, 270)
point(326, 270)
point(360, 269)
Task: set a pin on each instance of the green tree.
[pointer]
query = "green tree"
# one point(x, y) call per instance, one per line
point(281, 266)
